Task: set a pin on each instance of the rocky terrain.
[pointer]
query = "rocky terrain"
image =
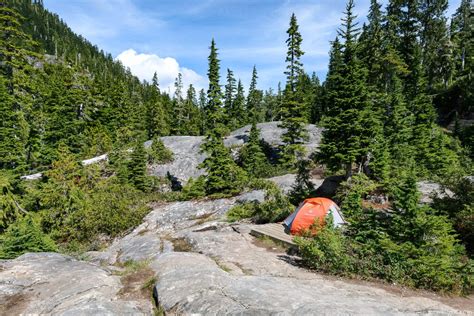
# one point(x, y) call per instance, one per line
point(186, 259)
point(201, 264)
point(198, 263)
point(187, 152)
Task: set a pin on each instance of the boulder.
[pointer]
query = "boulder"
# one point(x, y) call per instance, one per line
point(430, 190)
point(188, 155)
point(51, 283)
point(192, 283)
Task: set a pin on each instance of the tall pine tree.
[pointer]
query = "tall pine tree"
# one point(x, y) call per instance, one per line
point(292, 111)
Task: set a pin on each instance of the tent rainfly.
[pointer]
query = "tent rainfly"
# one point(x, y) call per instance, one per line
point(309, 210)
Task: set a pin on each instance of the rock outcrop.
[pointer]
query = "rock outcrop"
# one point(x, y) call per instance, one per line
point(188, 155)
point(203, 265)
point(55, 284)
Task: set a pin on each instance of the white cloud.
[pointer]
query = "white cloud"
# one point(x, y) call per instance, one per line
point(145, 65)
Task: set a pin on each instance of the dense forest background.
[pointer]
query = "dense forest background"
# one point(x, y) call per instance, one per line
point(396, 107)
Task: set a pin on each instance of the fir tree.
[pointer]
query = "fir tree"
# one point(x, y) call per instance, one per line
point(214, 111)
point(333, 78)
point(156, 124)
point(352, 124)
point(303, 187)
point(239, 115)
point(252, 157)
point(158, 152)
point(193, 115)
point(202, 104)
point(229, 96)
point(371, 46)
point(223, 174)
point(24, 236)
point(254, 99)
point(292, 111)
point(137, 167)
point(179, 108)
point(15, 48)
point(435, 42)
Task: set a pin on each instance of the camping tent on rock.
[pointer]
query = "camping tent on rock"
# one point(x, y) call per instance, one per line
point(311, 209)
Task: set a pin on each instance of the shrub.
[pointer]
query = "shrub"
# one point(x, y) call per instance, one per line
point(274, 208)
point(326, 251)
point(158, 153)
point(24, 236)
point(195, 188)
point(410, 246)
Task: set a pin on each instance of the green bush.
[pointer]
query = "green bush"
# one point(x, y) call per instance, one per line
point(194, 189)
point(274, 208)
point(158, 153)
point(412, 246)
point(24, 236)
point(241, 211)
point(326, 251)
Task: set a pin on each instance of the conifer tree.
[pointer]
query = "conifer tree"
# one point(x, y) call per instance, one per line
point(333, 78)
point(239, 115)
point(435, 43)
point(292, 111)
point(158, 152)
point(15, 48)
point(254, 99)
point(202, 104)
point(24, 236)
point(10, 209)
point(193, 115)
point(229, 96)
point(352, 124)
point(371, 46)
point(156, 124)
point(462, 38)
point(214, 111)
point(252, 157)
point(179, 107)
point(223, 175)
point(303, 187)
point(137, 167)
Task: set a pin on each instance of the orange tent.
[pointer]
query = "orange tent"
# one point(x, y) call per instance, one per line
point(310, 210)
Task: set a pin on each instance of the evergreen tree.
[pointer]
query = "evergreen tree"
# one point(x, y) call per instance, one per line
point(202, 104)
point(156, 124)
point(252, 157)
point(435, 42)
point(270, 105)
point(214, 111)
point(371, 47)
point(333, 78)
point(10, 209)
point(158, 152)
point(16, 47)
point(292, 111)
point(352, 124)
point(316, 101)
point(239, 115)
point(303, 187)
point(193, 115)
point(24, 236)
point(223, 175)
point(229, 96)
point(179, 108)
point(254, 100)
point(137, 167)
point(462, 38)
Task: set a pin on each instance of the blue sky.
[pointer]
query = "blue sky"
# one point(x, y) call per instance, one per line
point(173, 36)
